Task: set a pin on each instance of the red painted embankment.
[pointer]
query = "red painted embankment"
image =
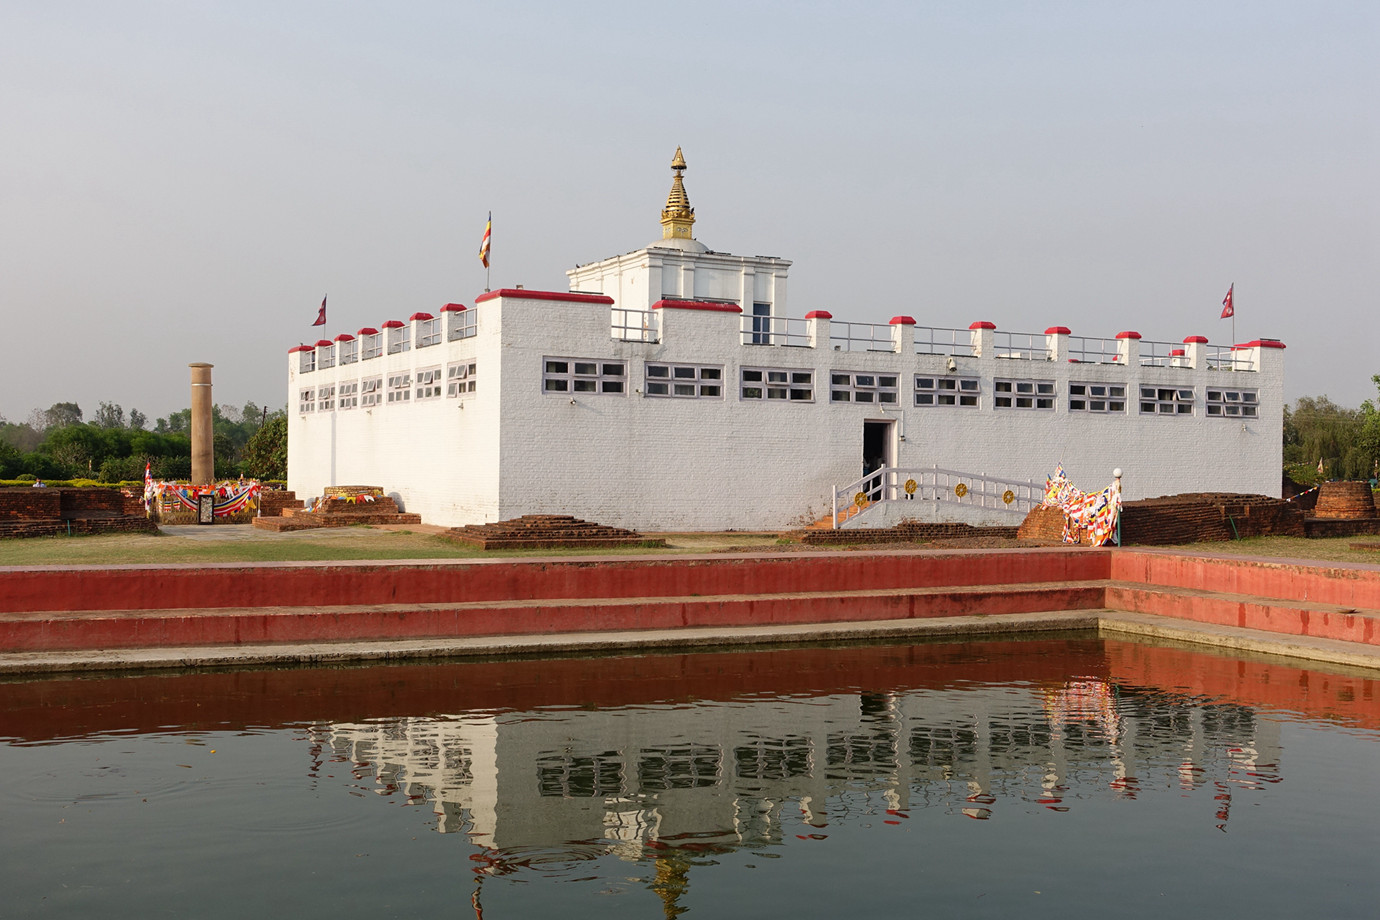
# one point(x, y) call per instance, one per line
point(373, 583)
point(233, 604)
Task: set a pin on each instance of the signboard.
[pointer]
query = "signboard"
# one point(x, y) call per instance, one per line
point(205, 509)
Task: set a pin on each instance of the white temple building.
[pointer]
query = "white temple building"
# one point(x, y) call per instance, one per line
point(672, 388)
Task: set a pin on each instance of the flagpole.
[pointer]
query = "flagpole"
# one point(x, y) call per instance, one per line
point(1233, 320)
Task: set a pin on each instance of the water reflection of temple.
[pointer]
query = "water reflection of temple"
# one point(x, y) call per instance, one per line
point(745, 772)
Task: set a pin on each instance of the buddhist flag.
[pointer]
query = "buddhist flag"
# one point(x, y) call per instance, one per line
point(1227, 308)
point(484, 243)
point(321, 314)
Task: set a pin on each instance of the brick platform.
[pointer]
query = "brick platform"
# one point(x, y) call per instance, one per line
point(30, 512)
point(1345, 501)
point(546, 531)
point(382, 510)
point(904, 532)
point(272, 502)
point(1202, 517)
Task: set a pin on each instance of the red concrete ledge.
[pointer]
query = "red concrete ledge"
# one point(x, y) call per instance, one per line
point(374, 583)
point(1277, 579)
point(237, 626)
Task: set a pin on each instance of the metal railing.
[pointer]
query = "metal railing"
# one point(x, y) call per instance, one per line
point(1228, 358)
point(1026, 346)
point(861, 337)
point(1158, 354)
point(936, 484)
point(634, 325)
point(933, 340)
point(776, 330)
point(1087, 350)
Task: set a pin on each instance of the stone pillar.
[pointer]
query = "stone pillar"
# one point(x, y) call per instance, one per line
point(203, 450)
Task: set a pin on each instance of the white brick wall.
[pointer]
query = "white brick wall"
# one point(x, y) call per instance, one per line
point(706, 464)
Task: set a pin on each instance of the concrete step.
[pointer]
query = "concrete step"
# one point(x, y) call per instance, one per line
point(112, 629)
point(1341, 584)
point(289, 584)
point(1287, 617)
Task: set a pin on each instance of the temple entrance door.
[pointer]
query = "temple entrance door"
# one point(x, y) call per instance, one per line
point(878, 453)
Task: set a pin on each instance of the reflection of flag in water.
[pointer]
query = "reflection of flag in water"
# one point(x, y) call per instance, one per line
point(484, 243)
point(1228, 309)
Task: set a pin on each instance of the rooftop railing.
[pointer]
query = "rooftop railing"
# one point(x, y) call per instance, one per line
point(1228, 358)
point(861, 337)
point(1087, 350)
point(934, 340)
point(1161, 354)
point(635, 326)
point(1027, 346)
point(776, 330)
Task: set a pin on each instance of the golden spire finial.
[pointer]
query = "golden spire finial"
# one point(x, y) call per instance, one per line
point(677, 218)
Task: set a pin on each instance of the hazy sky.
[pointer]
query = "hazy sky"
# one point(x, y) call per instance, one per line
point(183, 181)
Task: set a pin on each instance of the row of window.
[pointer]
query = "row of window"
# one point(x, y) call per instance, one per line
point(463, 325)
point(569, 376)
point(698, 381)
point(457, 380)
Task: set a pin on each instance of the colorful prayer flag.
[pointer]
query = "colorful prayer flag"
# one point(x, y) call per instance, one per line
point(484, 243)
point(321, 314)
point(1227, 308)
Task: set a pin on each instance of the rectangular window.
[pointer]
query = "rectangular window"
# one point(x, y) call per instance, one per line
point(325, 357)
point(460, 379)
point(370, 392)
point(1023, 394)
point(687, 381)
point(873, 389)
point(947, 391)
point(1232, 403)
point(761, 323)
point(428, 332)
point(397, 340)
point(349, 351)
point(306, 400)
point(399, 387)
point(1166, 401)
point(783, 383)
point(307, 362)
point(429, 383)
point(349, 395)
point(372, 347)
point(584, 375)
point(325, 398)
point(461, 324)
point(1097, 397)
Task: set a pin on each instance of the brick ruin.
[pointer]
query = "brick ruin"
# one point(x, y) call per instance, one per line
point(29, 512)
point(546, 531)
point(340, 506)
point(1343, 508)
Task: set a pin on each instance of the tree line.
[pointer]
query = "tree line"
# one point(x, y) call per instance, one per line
point(114, 446)
point(1344, 442)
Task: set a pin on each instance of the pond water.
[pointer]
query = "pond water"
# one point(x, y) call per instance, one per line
point(1053, 778)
